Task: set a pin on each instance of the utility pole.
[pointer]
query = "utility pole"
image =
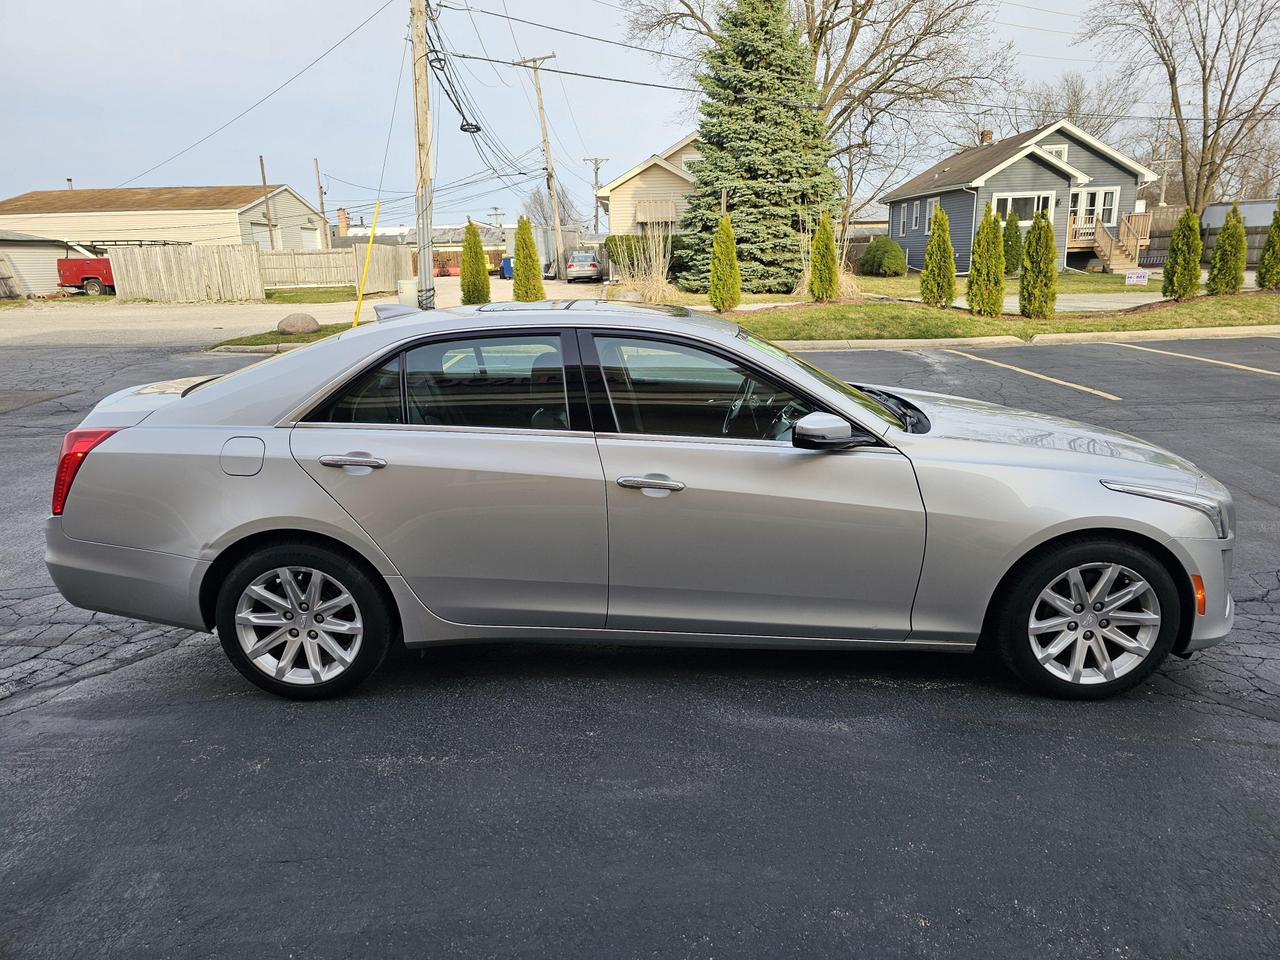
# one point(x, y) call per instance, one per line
point(423, 165)
point(266, 202)
point(497, 215)
point(533, 63)
point(1164, 164)
point(595, 186)
point(320, 193)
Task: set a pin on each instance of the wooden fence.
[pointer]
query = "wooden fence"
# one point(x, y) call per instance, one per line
point(305, 268)
point(187, 273)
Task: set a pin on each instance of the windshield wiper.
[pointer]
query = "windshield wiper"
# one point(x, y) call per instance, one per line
point(910, 418)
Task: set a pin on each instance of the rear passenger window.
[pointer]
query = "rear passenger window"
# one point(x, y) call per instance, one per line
point(505, 382)
point(374, 398)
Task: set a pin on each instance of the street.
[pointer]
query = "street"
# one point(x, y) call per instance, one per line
point(494, 800)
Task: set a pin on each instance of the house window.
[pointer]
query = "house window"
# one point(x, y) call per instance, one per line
point(1059, 150)
point(902, 221)
point(1110, 202)
point(1023, 206)
point(928, 211)
point(915, 215)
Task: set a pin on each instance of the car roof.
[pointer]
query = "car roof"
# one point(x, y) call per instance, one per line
point(569, 313)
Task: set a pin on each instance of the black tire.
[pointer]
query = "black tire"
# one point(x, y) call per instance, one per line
point(93, 288)
point(1015, 608)
point(372, 600)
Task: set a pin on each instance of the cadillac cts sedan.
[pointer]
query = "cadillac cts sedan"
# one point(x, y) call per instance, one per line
point(587, 471)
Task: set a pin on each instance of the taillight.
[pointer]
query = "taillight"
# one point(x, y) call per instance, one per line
point(594, 265)
point(75, 447)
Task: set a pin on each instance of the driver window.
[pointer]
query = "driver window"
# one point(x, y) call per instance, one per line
point(674, 390)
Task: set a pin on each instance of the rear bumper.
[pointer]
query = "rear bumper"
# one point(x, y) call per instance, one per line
point(1210, 560)
point(142, 584)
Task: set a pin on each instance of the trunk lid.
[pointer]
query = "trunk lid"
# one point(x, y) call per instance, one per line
point(132, 405)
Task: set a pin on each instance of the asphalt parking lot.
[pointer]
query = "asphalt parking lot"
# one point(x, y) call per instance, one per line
point(562, 801)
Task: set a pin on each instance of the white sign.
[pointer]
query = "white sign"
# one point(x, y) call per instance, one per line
point(1136, 278)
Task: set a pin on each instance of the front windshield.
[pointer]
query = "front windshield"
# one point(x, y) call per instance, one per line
point(870, 404)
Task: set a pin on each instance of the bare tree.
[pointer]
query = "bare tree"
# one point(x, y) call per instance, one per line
point(538, 208)
point(1220, 60)
point(1098, 106)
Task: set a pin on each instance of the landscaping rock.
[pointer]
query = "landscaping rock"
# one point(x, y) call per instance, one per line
point(628, 296)
point(296, 323)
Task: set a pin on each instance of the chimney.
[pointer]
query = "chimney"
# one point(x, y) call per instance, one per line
point(344, 222)
point(984, 138)
point(70, 185)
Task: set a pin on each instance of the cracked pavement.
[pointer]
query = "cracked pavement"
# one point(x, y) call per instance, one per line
point(529, 800)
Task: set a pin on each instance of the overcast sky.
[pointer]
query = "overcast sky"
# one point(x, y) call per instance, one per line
point(101, 92)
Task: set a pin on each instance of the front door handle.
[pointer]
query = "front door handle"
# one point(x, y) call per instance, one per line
point(348, 460)
point(650, 483)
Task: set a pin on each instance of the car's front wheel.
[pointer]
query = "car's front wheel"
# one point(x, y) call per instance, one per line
point(1089, 620)
point(302, 621)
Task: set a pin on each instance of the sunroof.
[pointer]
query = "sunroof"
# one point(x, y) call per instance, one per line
point(522, 307)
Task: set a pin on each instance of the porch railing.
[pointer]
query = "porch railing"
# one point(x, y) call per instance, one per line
point(1081, 228)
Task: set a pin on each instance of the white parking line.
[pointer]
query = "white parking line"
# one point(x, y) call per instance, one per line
point(1192, 356)
point(1039, 376)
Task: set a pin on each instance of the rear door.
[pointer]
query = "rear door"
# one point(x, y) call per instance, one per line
point(470, 461)
point(717, 524)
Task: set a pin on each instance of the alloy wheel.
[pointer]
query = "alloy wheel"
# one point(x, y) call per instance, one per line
point(299, 625)
point(1094, 623)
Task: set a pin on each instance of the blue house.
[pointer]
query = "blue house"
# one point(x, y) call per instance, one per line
point(1089, 189)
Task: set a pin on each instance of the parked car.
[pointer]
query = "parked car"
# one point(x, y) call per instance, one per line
point(90, 275)
point(582, 265)
point(591, 471)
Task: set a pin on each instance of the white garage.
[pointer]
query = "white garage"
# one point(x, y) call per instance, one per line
point(29, 264)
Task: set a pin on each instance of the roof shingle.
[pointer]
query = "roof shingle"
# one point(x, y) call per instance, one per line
point(135, 198)
point(961, 168)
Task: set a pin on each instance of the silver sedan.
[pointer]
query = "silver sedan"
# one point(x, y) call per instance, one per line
point(588, 471)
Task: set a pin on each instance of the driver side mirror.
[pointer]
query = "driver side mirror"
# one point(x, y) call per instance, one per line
point(826, 431)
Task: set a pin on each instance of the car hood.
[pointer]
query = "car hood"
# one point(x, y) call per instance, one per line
point(959, 418)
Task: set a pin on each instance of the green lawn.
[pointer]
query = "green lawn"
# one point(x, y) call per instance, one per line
point(20, 302)
point(685, 299)
point(909, 286)
point(910, 321)
point(271, 336)
point(318, 295)
point(913, 321)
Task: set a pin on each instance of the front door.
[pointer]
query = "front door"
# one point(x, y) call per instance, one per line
point(717, 524)
point(471, 464)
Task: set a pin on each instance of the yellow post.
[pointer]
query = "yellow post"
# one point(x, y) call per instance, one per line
point(368, 253)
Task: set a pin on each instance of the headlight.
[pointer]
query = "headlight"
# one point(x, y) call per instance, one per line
point(1211, 507)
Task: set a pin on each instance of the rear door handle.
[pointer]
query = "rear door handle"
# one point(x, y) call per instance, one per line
point(649, 483)
point(346, 460)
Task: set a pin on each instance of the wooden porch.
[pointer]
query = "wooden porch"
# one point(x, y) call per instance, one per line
point(1117, 247)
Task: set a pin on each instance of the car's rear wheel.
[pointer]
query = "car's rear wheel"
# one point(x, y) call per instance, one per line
point(93, 288)
point(1089, 620)
point(302, 621)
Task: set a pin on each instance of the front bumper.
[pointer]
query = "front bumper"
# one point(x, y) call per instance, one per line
point(143, 584)
point(1211, 561)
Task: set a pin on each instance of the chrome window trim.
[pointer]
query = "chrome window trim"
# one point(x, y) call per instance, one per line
point(737, 442)
point(442, 428)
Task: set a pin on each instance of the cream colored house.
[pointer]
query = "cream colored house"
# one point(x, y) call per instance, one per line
point(651, 192)
point(203, 215)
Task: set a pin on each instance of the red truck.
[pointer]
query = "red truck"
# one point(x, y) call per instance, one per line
point(92, 275)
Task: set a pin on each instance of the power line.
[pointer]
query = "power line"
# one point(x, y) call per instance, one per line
point(1027, 6)
point(395, 102)
point(257, 103)
point(683, 89)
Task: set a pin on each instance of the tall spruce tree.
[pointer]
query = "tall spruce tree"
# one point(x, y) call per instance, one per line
point(986, 269)
point(1227, 263)
point(1038, 289)
point(938, 278)
point(526, 273)
point(1012, 245)
point(763, 142)
point(725, 291)
point(824, 274)
point(473, 275)
point(1269, 262)
point(1182, 266)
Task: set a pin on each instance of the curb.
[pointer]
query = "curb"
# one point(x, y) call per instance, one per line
point(812, 346)
point(1174, 333)
point(260, 348)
